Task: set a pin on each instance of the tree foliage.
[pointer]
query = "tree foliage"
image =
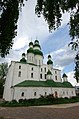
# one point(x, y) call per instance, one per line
point(51, 10)
point(8, 24)
point(3, 73)
point(77, 67)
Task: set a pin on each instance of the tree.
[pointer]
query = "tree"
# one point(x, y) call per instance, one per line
point(51, 10)
point(77, 67)
point(3, 73)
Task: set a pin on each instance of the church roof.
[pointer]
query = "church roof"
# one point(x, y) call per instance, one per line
point(31, 43)
point(49, 62)
point(23, 60)
point(38, 52)
point(36, 45)
point(64, 75)
point(49, 56)
point(30, 50)
point(48, 83)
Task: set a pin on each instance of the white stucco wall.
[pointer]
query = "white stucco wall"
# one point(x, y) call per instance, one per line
point(29, 92)
point(7, 95)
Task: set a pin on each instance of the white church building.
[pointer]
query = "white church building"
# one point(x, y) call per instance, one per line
point(30, 78)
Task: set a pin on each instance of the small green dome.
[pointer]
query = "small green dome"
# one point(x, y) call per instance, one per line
point(31, 43)
point(30, 50)
point(38, 52)
point(23, 54)
point(23, 60)
point(49, 56)
point(36, 45)
point(49, 62)
point(49, 72)
point(36, 41)
point(64, 75)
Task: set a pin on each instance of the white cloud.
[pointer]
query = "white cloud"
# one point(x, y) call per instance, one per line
point(65, 19)
point(63, 56)
point(20, 42)
point(71, 78)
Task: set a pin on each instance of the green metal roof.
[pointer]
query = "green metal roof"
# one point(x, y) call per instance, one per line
point(49, 62)
point(30, 50)
point(23, 60)
point(23, 54)
point(49, 56)
point(31, 43)
point(64, 75)
point(36, 41)
point(36, 45)
point(38, 52)
point(48, 83)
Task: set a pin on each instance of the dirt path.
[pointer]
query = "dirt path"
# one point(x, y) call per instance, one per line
point(69, 111)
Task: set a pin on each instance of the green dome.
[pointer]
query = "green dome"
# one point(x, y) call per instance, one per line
point(31, 43)
point(49, 62)
point(36, 45)
point(49, 56)
point(64, 75)
point(38, 52)
point(23, 54)
point(36, 41)
point(49, 72)
point(30, 50)
point(23, 60)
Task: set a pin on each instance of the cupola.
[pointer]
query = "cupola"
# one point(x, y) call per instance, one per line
point(31, 44)
point(49, 75)
point(23, 60)
point(64, 76)
point(49, 62)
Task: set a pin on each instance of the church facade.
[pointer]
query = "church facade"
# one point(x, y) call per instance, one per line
point(30, 78)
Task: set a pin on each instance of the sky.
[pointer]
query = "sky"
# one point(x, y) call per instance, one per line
point(56, 43)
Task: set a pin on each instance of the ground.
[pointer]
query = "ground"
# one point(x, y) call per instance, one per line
point(64, 111)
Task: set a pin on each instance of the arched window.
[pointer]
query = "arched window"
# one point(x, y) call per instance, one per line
point(34, 93)
point(45, 76)
point(19, 66)
point(56, 94)
point(45, 69)
point(22, 94)
point(40, 76)
point(45, 93)
point(32, 68)
point(19, 74)
point(55, 77)
point(31, 75)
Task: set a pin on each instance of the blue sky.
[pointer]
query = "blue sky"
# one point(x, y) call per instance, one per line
point(55, 43)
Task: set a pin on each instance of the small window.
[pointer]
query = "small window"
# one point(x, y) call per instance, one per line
point(45, 76)
point(45, 69)
point(41, 76)
point(31, 75)
point(34, 93)
point(20, 67)
point(67, 92)
point(56, 94)
point(63, 93)
point(32, 58)
point(55, 72)
point(19, 74)
point(22, 94)
point(55, 77)
point(45, 93)
point(72, 93)
point(32, 68)
point(39, 62)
